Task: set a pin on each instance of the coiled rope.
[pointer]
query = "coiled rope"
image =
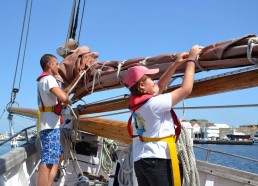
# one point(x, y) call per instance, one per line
point(107, 164)
point(125, 174)
point(187, 159)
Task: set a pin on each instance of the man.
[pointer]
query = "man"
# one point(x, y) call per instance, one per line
point(50, 99)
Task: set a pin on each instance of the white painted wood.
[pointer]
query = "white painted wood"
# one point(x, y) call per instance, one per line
point(210, 180)
point(16, 166)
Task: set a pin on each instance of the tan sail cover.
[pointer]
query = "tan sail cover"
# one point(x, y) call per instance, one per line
point(105, 75)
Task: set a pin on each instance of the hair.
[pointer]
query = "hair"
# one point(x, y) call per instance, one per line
point(135, 90)
point(45, 59)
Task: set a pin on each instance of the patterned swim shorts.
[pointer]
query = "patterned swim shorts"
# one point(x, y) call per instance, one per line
point(51, 146)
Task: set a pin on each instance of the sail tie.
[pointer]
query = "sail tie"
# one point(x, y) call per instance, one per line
point(144, 61)
point(85, 76)
point(197, 62)
point(249, 48)
point(99, 74)
point(118, 72)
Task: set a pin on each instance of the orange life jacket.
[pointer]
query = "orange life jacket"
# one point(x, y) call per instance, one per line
point(57, 108)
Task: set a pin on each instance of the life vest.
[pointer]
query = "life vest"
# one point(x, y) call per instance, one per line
point(139, 101)
point(57, 108)
point(136, 102)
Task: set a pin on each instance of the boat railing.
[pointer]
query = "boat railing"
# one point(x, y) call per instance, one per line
point(209, 151)
point(16, 134)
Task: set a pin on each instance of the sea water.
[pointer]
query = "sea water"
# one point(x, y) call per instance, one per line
point(7, 147)
point(250, 151)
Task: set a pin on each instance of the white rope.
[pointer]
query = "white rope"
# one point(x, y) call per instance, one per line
point(143, 62)
point(249, 48)
point(106, 161)
point(74, 115)
point(94, 77)
point(99, 74)
point(84, 72)
point(197, 62)
point(85, 82)
point(118, 71)
point(187, 159)
point(98, 71)
point(125, 174)
point(74, 158)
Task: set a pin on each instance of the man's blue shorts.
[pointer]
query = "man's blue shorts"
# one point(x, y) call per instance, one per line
point(51, 146)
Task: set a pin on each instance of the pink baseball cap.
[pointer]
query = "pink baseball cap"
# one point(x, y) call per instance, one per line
point(135, 73)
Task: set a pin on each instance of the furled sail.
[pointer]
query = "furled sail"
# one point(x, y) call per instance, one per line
point(101, 76)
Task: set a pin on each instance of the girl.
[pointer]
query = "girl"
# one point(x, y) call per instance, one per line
point(155, 151)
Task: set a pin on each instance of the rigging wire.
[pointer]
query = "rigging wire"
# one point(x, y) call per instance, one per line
point(70, 23)
point(16, 90)
point(107, 99)
point(75, 23)
point(2, 113)
point(25, 45)
point(79, 34)
point(72, 28)
point(180, 108)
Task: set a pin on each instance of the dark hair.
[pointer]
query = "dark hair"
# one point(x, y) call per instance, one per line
point(45, 59)
point(135, 88)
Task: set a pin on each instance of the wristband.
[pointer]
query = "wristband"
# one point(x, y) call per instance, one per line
point(190, 60)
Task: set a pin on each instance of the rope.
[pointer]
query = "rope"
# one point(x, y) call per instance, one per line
point(94, 79)
point(125, 174)
point(249, 48)
point(99, 74)
point(197, 62)
point(187, 159)
point(118, 71)
point(106, 161)
point(76, 82)
point(85, 74)
point(143, 62)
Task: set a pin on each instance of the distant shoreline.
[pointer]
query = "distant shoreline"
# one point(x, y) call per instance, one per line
point(223, 142)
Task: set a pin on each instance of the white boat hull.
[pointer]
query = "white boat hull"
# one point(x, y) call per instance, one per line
point(17, 165)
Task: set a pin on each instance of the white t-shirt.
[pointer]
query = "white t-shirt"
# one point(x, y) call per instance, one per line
point(157, 121)
point(48, 120)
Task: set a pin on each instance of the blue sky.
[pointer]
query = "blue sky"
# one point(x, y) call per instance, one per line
point(119, 30)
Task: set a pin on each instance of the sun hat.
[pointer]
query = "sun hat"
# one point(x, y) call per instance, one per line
point(135, 73)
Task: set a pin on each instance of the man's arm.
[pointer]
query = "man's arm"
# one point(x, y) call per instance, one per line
point(61, 95)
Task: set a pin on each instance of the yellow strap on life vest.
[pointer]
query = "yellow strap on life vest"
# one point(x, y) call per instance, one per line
point(38, 123)
point(173, 155)
point(46, 109)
